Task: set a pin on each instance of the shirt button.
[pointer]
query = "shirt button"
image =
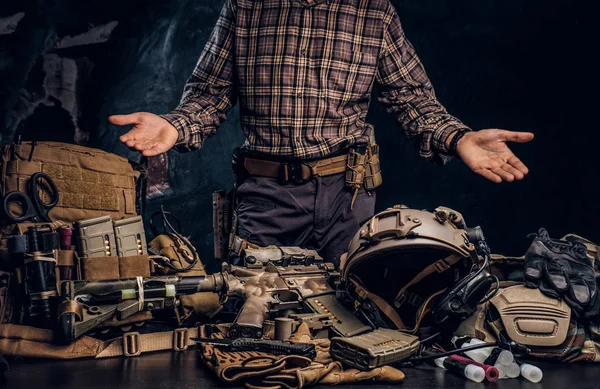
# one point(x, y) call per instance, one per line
point(303, 51)
point(300, 95)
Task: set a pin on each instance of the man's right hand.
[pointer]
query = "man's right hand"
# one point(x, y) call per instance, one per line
point(151, 134)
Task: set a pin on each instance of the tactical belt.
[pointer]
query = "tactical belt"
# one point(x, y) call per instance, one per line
point(298, 172)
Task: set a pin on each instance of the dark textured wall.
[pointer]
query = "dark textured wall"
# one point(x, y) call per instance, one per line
point(66, 65)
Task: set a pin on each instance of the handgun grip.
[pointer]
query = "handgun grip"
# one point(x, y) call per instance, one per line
point(249, 321)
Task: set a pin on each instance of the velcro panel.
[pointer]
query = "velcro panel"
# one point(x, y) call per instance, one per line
point(129, 196)
point(65, 258)
point(23, 167)
point(105, 178)
point(70, 200)
point(54, 171)
point(127, 182)
point(111, 201)
point(89, 176)
point(100, 268)
point(43, 153)
point(84, 189)
point(134, 266)
point(74, 155)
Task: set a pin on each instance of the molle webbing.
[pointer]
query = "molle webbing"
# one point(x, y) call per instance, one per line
point(91, 182)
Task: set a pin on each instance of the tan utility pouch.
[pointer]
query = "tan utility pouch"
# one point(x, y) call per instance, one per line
point(90, 182)
point(198, 306)
point(179, 254)
point(363, 169)
point(373, 178)
point(355, 171)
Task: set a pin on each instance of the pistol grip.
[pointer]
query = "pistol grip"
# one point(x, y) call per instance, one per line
point(249, 321)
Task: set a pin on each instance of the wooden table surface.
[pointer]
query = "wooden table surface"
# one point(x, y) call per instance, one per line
point(183, 370)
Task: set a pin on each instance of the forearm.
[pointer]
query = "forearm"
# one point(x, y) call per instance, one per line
point(426, 121)
point(196, 118)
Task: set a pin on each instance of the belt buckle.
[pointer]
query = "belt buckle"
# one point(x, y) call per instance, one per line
point(131, 344)
point(291, 172)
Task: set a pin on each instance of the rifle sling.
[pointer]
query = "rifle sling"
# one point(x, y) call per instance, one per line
point(25, 341)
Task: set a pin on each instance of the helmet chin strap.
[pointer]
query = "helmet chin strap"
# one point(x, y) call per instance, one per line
point(383, 306)
point(390, 312)
point(439, 266)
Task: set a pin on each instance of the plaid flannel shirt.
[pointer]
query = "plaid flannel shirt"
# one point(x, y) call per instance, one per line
point(303, 73)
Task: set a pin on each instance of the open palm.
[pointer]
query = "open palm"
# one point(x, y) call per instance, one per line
point(151, 134)
point(486, 152)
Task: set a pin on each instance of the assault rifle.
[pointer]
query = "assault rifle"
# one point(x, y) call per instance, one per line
point(267, 290)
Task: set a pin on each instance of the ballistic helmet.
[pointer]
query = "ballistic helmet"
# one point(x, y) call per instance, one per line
point(402, 259)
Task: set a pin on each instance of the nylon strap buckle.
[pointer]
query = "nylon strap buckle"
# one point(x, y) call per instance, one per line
point(441, 266)
point(180, 339)
point(293, 172)
point(131, 344)
point(400, 300)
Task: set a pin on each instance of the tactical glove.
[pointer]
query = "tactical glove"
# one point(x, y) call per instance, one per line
point(258, 370)
point(561, 269)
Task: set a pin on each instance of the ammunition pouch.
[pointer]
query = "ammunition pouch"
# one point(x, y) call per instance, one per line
point(373, 177)
point(68, 265)
point(112, 268)
point(363, 168)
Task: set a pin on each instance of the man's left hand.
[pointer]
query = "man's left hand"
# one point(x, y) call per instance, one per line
point(487, 154)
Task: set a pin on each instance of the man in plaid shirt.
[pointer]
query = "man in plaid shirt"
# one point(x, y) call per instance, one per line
point(302, 72)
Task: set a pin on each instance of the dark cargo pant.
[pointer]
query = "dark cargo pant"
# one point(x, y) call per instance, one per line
point(314, 215)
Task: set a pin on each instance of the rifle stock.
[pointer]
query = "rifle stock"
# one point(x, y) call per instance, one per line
point(85, 305)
